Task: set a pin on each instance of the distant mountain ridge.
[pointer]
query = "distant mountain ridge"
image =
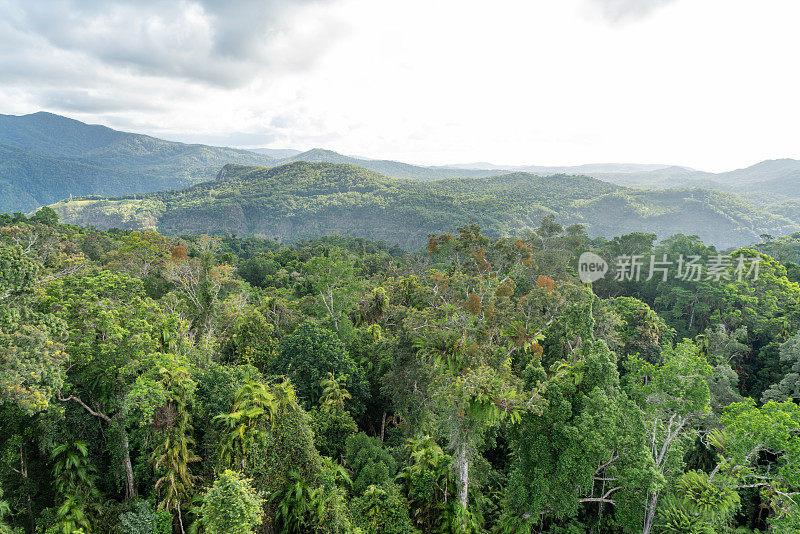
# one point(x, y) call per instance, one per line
point(395, 169)
point(306, 199)
point(768, 175)
point(46, 157)
point(94, 159)
point(276, 153)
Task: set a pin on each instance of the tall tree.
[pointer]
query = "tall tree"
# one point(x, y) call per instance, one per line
point(673, 395)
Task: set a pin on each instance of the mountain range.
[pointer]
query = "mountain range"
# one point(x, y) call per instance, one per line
point(287, 194)
point(306, 199)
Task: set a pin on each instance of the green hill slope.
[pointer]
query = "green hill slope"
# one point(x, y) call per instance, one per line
point(46, 157)
point(301, 200)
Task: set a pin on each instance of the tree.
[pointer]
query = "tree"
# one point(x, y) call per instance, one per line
point(74, 480)
point(297, 505)
point(331, 422)
point(789, 386)
point(464, 339)
point(231, 505)
point(334, 395)
point(586, 450)
point(642, 332)
point(701, 505)
point(140, 254)
point(428, 484)
point(32, 369)
point(672, 395)
point(175, 452)
point(256, 270)
point(382, 510)
point(200, 281)
point(332, 426)
point(308, 355)
point(267, 436)
point(760, 448)
point(254, 411)
point(369, 461)
point(333, 280)
point(114, 334)
point(252, 339)
point(46, 216)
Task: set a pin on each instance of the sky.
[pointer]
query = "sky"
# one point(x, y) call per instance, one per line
point(710, 84)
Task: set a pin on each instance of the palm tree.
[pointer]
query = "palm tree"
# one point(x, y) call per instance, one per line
point(298, 506)
point(72, 472)
point(255, 406)
point(333, 392)
point(174, 454)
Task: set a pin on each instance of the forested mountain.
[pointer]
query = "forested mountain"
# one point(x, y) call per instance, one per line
point(166, 385)
point(46, 157)
point(622, 173)
point(768, 175)
point(787, 185)
point(301, 200)
point(770, 169)
point(29, 180)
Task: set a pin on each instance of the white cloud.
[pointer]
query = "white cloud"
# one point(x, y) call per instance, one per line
point(624, 10)
point(709, 84)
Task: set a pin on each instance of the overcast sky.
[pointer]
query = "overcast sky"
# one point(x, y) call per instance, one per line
point(712, 84)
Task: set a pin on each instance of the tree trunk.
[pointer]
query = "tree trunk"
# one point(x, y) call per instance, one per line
point(180, 518)
point(130, 483)
point(23, 471)
point(650, 513)
point(462, 471)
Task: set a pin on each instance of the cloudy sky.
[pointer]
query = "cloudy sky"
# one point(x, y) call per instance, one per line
point(712, 84)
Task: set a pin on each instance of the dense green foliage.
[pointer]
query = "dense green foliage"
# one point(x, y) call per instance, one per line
point(156, 384)
point(304, 200)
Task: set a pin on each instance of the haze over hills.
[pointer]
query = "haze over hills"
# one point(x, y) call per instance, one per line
point(767, 176)
point(395, 169)
point(571, 169)
point(276, 153)
point(304, 199)
point(99, 160)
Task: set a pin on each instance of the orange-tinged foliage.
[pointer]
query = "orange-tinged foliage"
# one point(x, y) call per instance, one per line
point(473, 304)
point(545, 282)
point(526, 252)
point(179, 253)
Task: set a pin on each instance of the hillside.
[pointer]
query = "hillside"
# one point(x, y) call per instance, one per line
point(46, 157)
point(779, 176)
point(302, 199)
point(620, 173)
point(768, 175)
